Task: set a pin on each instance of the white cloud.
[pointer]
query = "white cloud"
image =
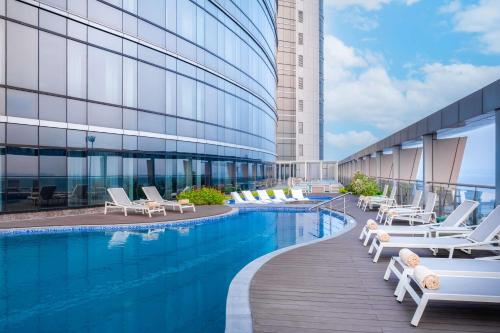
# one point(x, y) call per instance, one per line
point(359, 88)
point(369, 5)
point(350, 139)
point(451, 7)
point(482, 19)
point(358, 20)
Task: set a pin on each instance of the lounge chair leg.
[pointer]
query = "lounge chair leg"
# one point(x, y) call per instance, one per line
point(388, 271)
point(451, 253)
point(373, 246)
point(149, 213)
point(125, 211)
point(105, 209)
point(420, 310)
point(362, 233)
point(164, 212)
point(367, 239)
point(379, 252)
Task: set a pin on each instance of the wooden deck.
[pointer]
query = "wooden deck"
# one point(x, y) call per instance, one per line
point(115, 217)
point(333, 286)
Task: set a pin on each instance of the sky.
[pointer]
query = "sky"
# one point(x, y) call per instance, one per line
point(389, 63)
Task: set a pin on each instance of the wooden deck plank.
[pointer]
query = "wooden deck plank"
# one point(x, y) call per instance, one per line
point(334, 286)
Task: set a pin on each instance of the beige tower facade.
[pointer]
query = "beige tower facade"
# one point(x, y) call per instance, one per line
point(300, 80)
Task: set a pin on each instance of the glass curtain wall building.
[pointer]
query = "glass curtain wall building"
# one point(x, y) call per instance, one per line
point(111, 93)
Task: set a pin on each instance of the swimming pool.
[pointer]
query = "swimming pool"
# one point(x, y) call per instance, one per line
point(163, 280)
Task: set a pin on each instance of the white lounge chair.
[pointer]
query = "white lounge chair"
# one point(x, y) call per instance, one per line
point(251, 199)
point(362, 198)
point(452, 225)
point(397, 209)
point(237, 199)
point(265, 197)
point(299, 195)
point(481, 238)
point(370, 202)
point(454, 289)
point(441, 266)
point(280, 194)
point(153, 195)
point(122, 202)
point(416, 216)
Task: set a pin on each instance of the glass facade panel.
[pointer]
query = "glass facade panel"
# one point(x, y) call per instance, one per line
point(120, 112)
point(105, 76)
point(22, 56)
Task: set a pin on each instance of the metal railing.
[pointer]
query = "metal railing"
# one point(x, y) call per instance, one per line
point(343, 196)
point(449, 195)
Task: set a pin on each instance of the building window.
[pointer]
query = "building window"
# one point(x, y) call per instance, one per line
point(301, 127)
point(301, 16)
point(301, 105)
point(301, 38)
point(301, 83)
point(301, 60)
point(301, 150)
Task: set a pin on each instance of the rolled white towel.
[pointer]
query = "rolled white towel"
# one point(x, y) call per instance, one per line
point(383, 236)
point(425, 277)
point(410, 258)
point(371, 224)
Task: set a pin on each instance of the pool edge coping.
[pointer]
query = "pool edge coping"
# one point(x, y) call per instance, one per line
point(114, 227)
point(238, 309)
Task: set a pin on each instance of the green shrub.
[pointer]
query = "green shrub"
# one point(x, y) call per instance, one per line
point(361, 184)
point(203, 196)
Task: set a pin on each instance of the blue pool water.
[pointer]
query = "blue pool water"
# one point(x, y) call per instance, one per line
point(162, 280)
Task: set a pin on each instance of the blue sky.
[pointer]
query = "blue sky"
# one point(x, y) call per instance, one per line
point(389, 63)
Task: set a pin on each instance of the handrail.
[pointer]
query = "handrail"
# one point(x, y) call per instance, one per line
point(330, 200)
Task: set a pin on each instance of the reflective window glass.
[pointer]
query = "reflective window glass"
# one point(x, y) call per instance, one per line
point(77, 139)
point(151, 88)
point(22, 56)
point(52, 63)
point(171, 93)
point(22, 104)
point(150, 122)
point(129, 82)
point(22, 178)
point(52, 108)
point(77, 112)
point(52, 137)
point(152, 10)
point(104, 115)
point(22, 134)
point(77, 178)
point(77, 69)
point(105, 76)
point(78, 7)
point(22, 12)
point(186, 97)
point(52, 22)
point(77, 30)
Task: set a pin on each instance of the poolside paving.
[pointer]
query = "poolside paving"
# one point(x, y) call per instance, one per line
point(115, 217)
point(333, 286)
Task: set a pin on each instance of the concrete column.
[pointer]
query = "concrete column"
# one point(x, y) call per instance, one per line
point(497, 158)
point(428, 161)
point(396, 154)
point(378, 164)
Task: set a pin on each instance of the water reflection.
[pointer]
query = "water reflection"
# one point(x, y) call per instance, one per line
point(168, 280)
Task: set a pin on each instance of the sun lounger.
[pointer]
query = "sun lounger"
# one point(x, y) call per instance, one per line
point(442, 266)
point(265, 197)
point(279, 194)
point(122, 202)
point(237, 199)
point(415, 216)
point(299, 195)
point(362, 198)
point(454, 289)
point(251, 199)
point(370, 202)
point(153, 195)
point(480, 238)
point(452, 225)
point(396, 209)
